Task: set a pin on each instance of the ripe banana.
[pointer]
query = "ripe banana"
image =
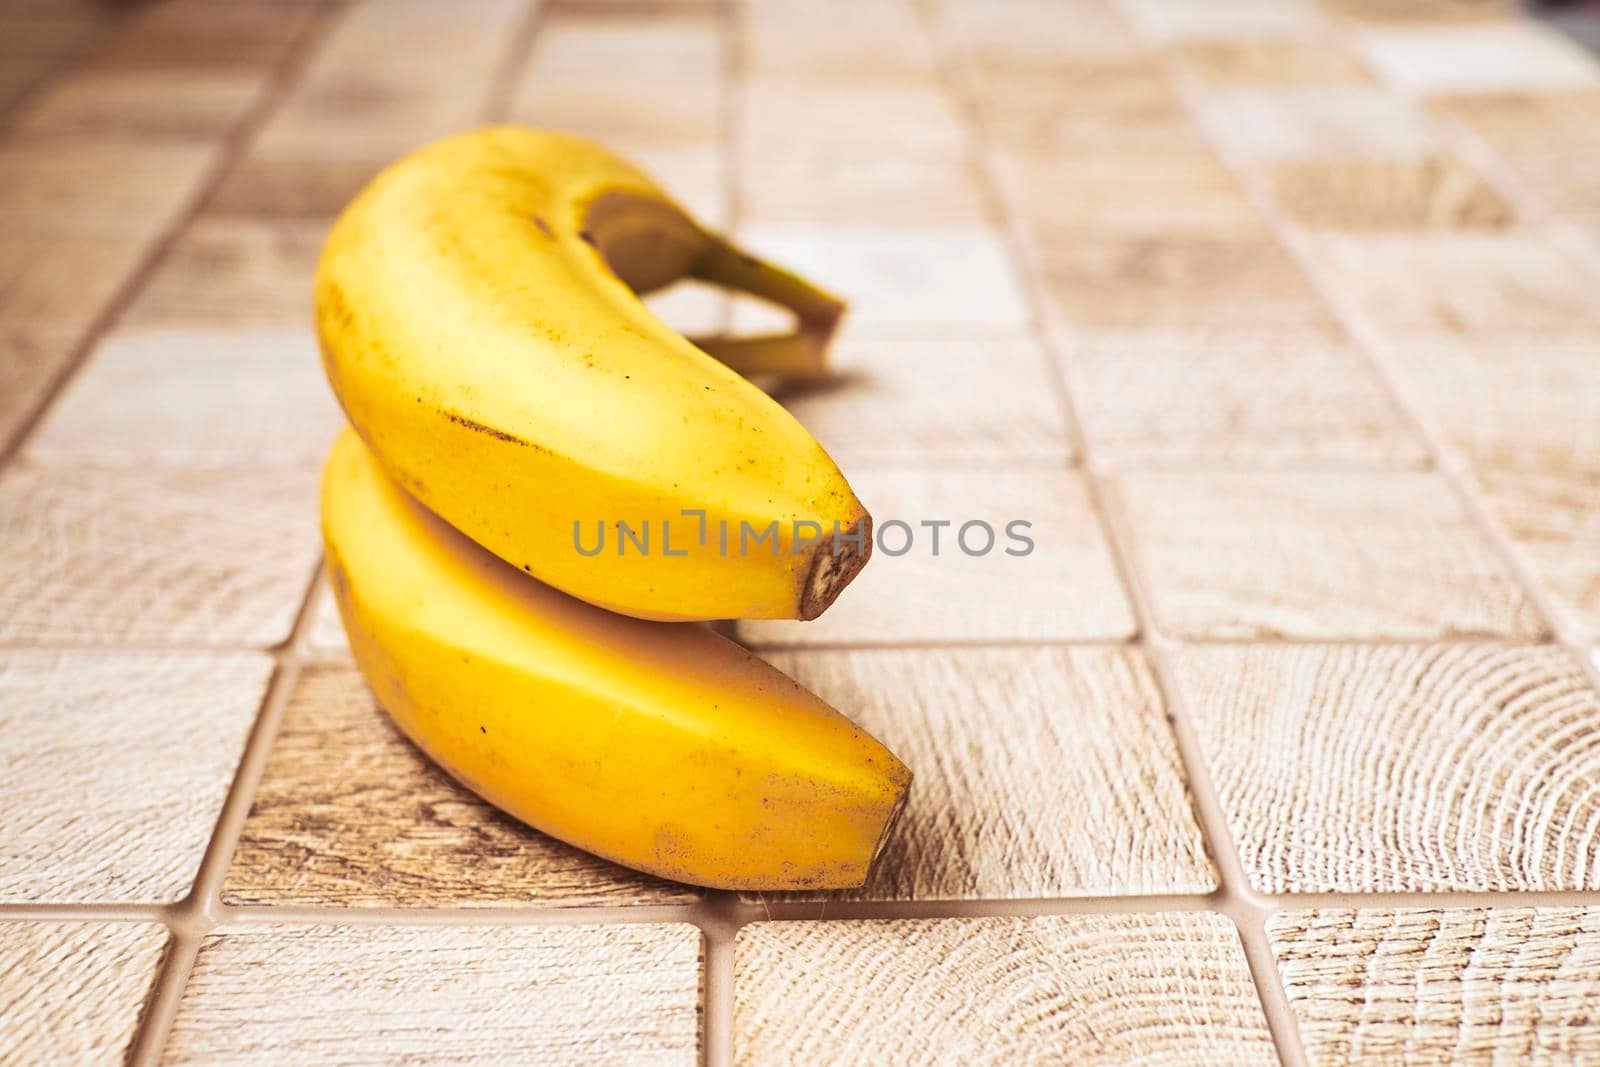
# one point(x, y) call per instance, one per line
point(478, 311)
point(665, 747)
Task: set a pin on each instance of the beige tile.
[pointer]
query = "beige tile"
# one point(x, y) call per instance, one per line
point(889, 190)
point(200, 557)
point(1083, 989)
point(1431, 985)
point(1511, 55)
point(1041, 772)
point(1554, 520)
point(1359, 769)
point(197, 33)
point(885, 43)
point(1521, 400)
point(938, 403)
point(1433, 193)
point(233, 273)
point(30, 360)
point(1533, 123)
point(1116, 102)
point(1036, 29)
point(1064, 588)
point(62, 186)
point(266, 187)
point(900, 278)
point(1316, 122)
point(1421, 12)
point(1317, 556)
point(349, 813)
point(781, 119)
point(1177, 280)
point(1269, 61)
point(58, 284)
point(326, 639)
point(624, 117)
point(618, 994)
point(1161, 20)
point(656, 48)
point(74, 992)
point(1227, 398)
point(128, 758)
point(1442, 284)
point(240, 398)
point(178, 103)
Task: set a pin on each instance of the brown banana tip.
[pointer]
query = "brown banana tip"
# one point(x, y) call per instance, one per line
point(888, 826)
point(835, 562)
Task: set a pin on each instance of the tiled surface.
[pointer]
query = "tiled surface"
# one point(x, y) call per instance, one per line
point(556, 994)
point(1086, 988)
point(1273, 318)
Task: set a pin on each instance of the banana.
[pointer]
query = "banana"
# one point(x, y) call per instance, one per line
point(661, 746)
point(478, 312)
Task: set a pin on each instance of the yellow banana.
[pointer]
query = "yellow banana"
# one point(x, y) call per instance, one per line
point(665, 747)
point(478, 311)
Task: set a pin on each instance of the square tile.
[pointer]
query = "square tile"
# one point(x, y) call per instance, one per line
point(1528, 401)
point(61, 186)
point(1432, 193)
point(1161, 20)
point(1243, 279)
point(1511, 55)
point(1422, 12)
point(1422, 769)
point(617, 994)
point(938, 403)
point(218, 558)
point(629, 47)
point(1329, 555)
point(885, 43)
point(59, 284)
point(349, 813)
point(1269, 61)
point(263, 186)
point(117, 767)
point(887, 190)
point(1315, 122)
point(178, 103)
point(1035, 29)
point(1533, 123)
point(624, 116)
point(198, 33)
point(74, 992)
point(924, 279)
point(1086, 989)
point(1229, 399)
point(1459, 283)
point(1424, 985)
point(1063, 587)
point(30, 361)
point(1041, 772)
point(241, 398)
point(1553, 519)
point(232, 272)
point(781, 119)
point(1115, 102)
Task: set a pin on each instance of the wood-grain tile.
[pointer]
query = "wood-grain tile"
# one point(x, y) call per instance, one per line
point(234, 273)
point(1530, 123)
point(73, 993)
point(1324, 555)
point(1064, 588)
point(1510, 55)
point(260, 185)
point(58, 284)
point(239, 398)
point(1421, 12)
point(1436, 985)
point(98, 186)
point(1116, 102)
point(1269, 61)
point(890, 190)
point(886, 43)
point(219, 558)
point(30, 360)
point(163, 104)
point(912, 119)
point(1036, 29)
point(617, 994)
point(349, 813)
point(1528, 401)
point(1433, 193)
point(1360, 769)
point(903, 279)
point(1233, 399)
point(934, 403)
point(240, 34)
point(1041, 772)
point(1314, 122)
point(116, 768)
point(1554, 520)
point(1084, 989)
point(1425, 286)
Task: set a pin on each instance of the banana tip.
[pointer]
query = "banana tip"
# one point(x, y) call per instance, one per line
point(834, 564)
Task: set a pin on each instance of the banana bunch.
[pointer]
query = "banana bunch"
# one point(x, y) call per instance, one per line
point(510, 396)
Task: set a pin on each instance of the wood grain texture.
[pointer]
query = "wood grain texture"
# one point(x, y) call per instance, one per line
point(1433, 193)
point(1317, 556)
point(169, 104)
point(618, 994)
point(1065, 588)
point(57, 185)
point(114, 766)
point(861, 190)
point(1420, 12)
point(938, 403)
point(1402, 768)
point(1269, 61)
point(348, 812)
point(1511, 55)
point(1264, 125)
point(30, 361)
point(180, 556)
point(261, 186)
point(1045, 772)
point(1157, 21)
point(219, 398)
point(232, 273)
point(58, 283)
point(1551, 141)
point(1083, 989)
point(1429, 286)
point(200, 34)
point(1233, 398)
point(1554, 520)
point(886, 43)
point(72, 993)
point(1459, 985)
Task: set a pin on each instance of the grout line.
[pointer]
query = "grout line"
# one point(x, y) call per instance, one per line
point(1234, 897)
point(235, 916)
point(501, 95)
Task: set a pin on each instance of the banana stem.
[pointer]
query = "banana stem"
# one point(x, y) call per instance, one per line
point(727, 265)
point(794, 356)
